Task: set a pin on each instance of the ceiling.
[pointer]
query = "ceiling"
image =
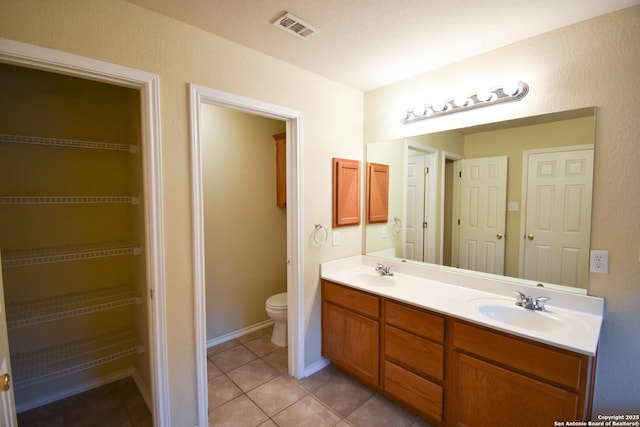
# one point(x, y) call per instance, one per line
point(367, 44)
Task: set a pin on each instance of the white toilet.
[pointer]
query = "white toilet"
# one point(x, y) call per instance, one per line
point(276, 308)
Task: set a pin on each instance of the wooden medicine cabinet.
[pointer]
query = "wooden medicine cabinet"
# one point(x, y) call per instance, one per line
point(346, 192)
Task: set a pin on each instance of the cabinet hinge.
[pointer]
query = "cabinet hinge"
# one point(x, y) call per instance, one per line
point(460, 174)
point(425, 225)
point(151, 294)
point(458, 222)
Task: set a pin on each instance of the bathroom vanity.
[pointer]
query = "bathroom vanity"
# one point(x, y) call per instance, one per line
point(455, 348)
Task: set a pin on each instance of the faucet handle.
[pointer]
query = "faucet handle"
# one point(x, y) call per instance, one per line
point(379, 267)
point(540, 303)
point(520, 298)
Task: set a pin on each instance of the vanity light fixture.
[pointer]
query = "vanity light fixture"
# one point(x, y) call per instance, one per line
point(483, 98)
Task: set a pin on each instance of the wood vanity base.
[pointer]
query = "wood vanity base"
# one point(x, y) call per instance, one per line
point(452, 372)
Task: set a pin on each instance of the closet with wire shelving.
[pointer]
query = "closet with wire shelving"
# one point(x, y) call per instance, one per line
point(71, 234)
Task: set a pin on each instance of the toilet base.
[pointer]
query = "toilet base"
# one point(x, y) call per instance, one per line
point(279, 336)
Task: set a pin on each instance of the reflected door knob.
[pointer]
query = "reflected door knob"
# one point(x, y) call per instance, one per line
point(5, 382)
point(499, 236)
point(530, 236)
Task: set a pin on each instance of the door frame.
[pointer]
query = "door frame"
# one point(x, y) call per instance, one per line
point(431, 196)
point(295, 296)
point(31, 56)
point(455, 212)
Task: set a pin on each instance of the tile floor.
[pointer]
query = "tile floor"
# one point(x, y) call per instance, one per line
point(118, 404)
point(249, 386)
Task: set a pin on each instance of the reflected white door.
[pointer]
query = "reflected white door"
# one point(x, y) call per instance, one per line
point(7, 402)
point(415, 230)
point(483, 205)
point(558, 217)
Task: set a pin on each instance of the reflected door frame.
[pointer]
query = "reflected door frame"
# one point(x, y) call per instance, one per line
point(430, 200)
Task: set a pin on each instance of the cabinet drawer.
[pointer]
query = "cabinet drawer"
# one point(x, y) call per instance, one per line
point(415, 320)
point(354, 300)
point(419, 354)
point(560, 367)
point(412, 389)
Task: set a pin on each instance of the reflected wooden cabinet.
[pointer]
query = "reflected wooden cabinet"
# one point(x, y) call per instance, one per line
point(281, 168)
point(377, 193)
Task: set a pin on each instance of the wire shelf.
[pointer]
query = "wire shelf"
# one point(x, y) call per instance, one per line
point(67, 143)
point(68, 200)
point(44, 310)
point(21, 258)
point(34, 367)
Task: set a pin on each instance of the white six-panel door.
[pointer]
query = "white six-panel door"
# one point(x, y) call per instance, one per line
point(558, 216)
point(415, 232)
point(483, 203)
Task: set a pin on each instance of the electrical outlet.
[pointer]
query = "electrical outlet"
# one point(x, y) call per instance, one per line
point(599, 262)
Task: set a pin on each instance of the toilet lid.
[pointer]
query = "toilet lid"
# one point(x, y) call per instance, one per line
point(278, 300)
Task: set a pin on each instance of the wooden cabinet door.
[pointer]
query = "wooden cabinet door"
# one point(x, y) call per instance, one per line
point(487, 395)
point(352, 342)
point(346, 192)
point(377, 193)
point(281, 168)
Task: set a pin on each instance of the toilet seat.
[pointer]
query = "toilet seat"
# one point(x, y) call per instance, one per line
point(278, 301)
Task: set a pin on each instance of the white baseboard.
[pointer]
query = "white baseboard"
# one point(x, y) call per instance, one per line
point(61, 394)
point(315, 367)
point(143, 389)
point(240, 332)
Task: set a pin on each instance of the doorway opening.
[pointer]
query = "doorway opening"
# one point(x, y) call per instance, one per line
point(72, 216)
point(201, 97)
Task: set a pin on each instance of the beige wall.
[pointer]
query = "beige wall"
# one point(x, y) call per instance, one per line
point(121, 33)
point(594, 63)
point(242, 223)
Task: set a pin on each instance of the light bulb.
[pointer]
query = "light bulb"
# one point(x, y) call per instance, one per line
point(419, 110)
point(438, 106)
point(512, 88)
point(462, 101)
point(485, 95)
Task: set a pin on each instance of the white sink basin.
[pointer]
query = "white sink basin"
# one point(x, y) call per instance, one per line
point(507, 312)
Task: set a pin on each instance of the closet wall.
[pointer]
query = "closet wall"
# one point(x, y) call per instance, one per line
point(71, 234)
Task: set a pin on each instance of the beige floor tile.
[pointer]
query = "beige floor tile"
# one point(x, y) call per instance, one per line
point(262, 346)
point(253, 374)
point(343, 394)
point(279, 360)
point(255, 334)
point(212, 370)
point(318, 379)
point(306, 412)
point(232, 359)
point(380, 412)
point(419, 422)
point(268, 423)
point(277, 394)
point(221, 391)
point(240, 412)
point(228, 345)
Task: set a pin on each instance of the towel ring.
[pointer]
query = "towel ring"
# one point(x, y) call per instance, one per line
point(320, 235)
point(397, 225)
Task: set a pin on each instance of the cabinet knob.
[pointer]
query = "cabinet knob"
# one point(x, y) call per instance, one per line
point(530, 236)
point(5, 382)
point(499, 236)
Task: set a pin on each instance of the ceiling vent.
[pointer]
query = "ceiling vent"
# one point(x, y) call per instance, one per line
point(295, 26)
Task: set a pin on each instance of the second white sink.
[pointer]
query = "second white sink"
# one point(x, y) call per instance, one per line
point(505, 311)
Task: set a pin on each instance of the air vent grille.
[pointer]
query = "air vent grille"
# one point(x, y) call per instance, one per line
point(295, 26)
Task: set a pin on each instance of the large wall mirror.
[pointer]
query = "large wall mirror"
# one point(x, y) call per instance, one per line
point(510, 198)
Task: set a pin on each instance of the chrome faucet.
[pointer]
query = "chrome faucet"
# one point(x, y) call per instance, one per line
point(529, 303)
point(385, 271)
